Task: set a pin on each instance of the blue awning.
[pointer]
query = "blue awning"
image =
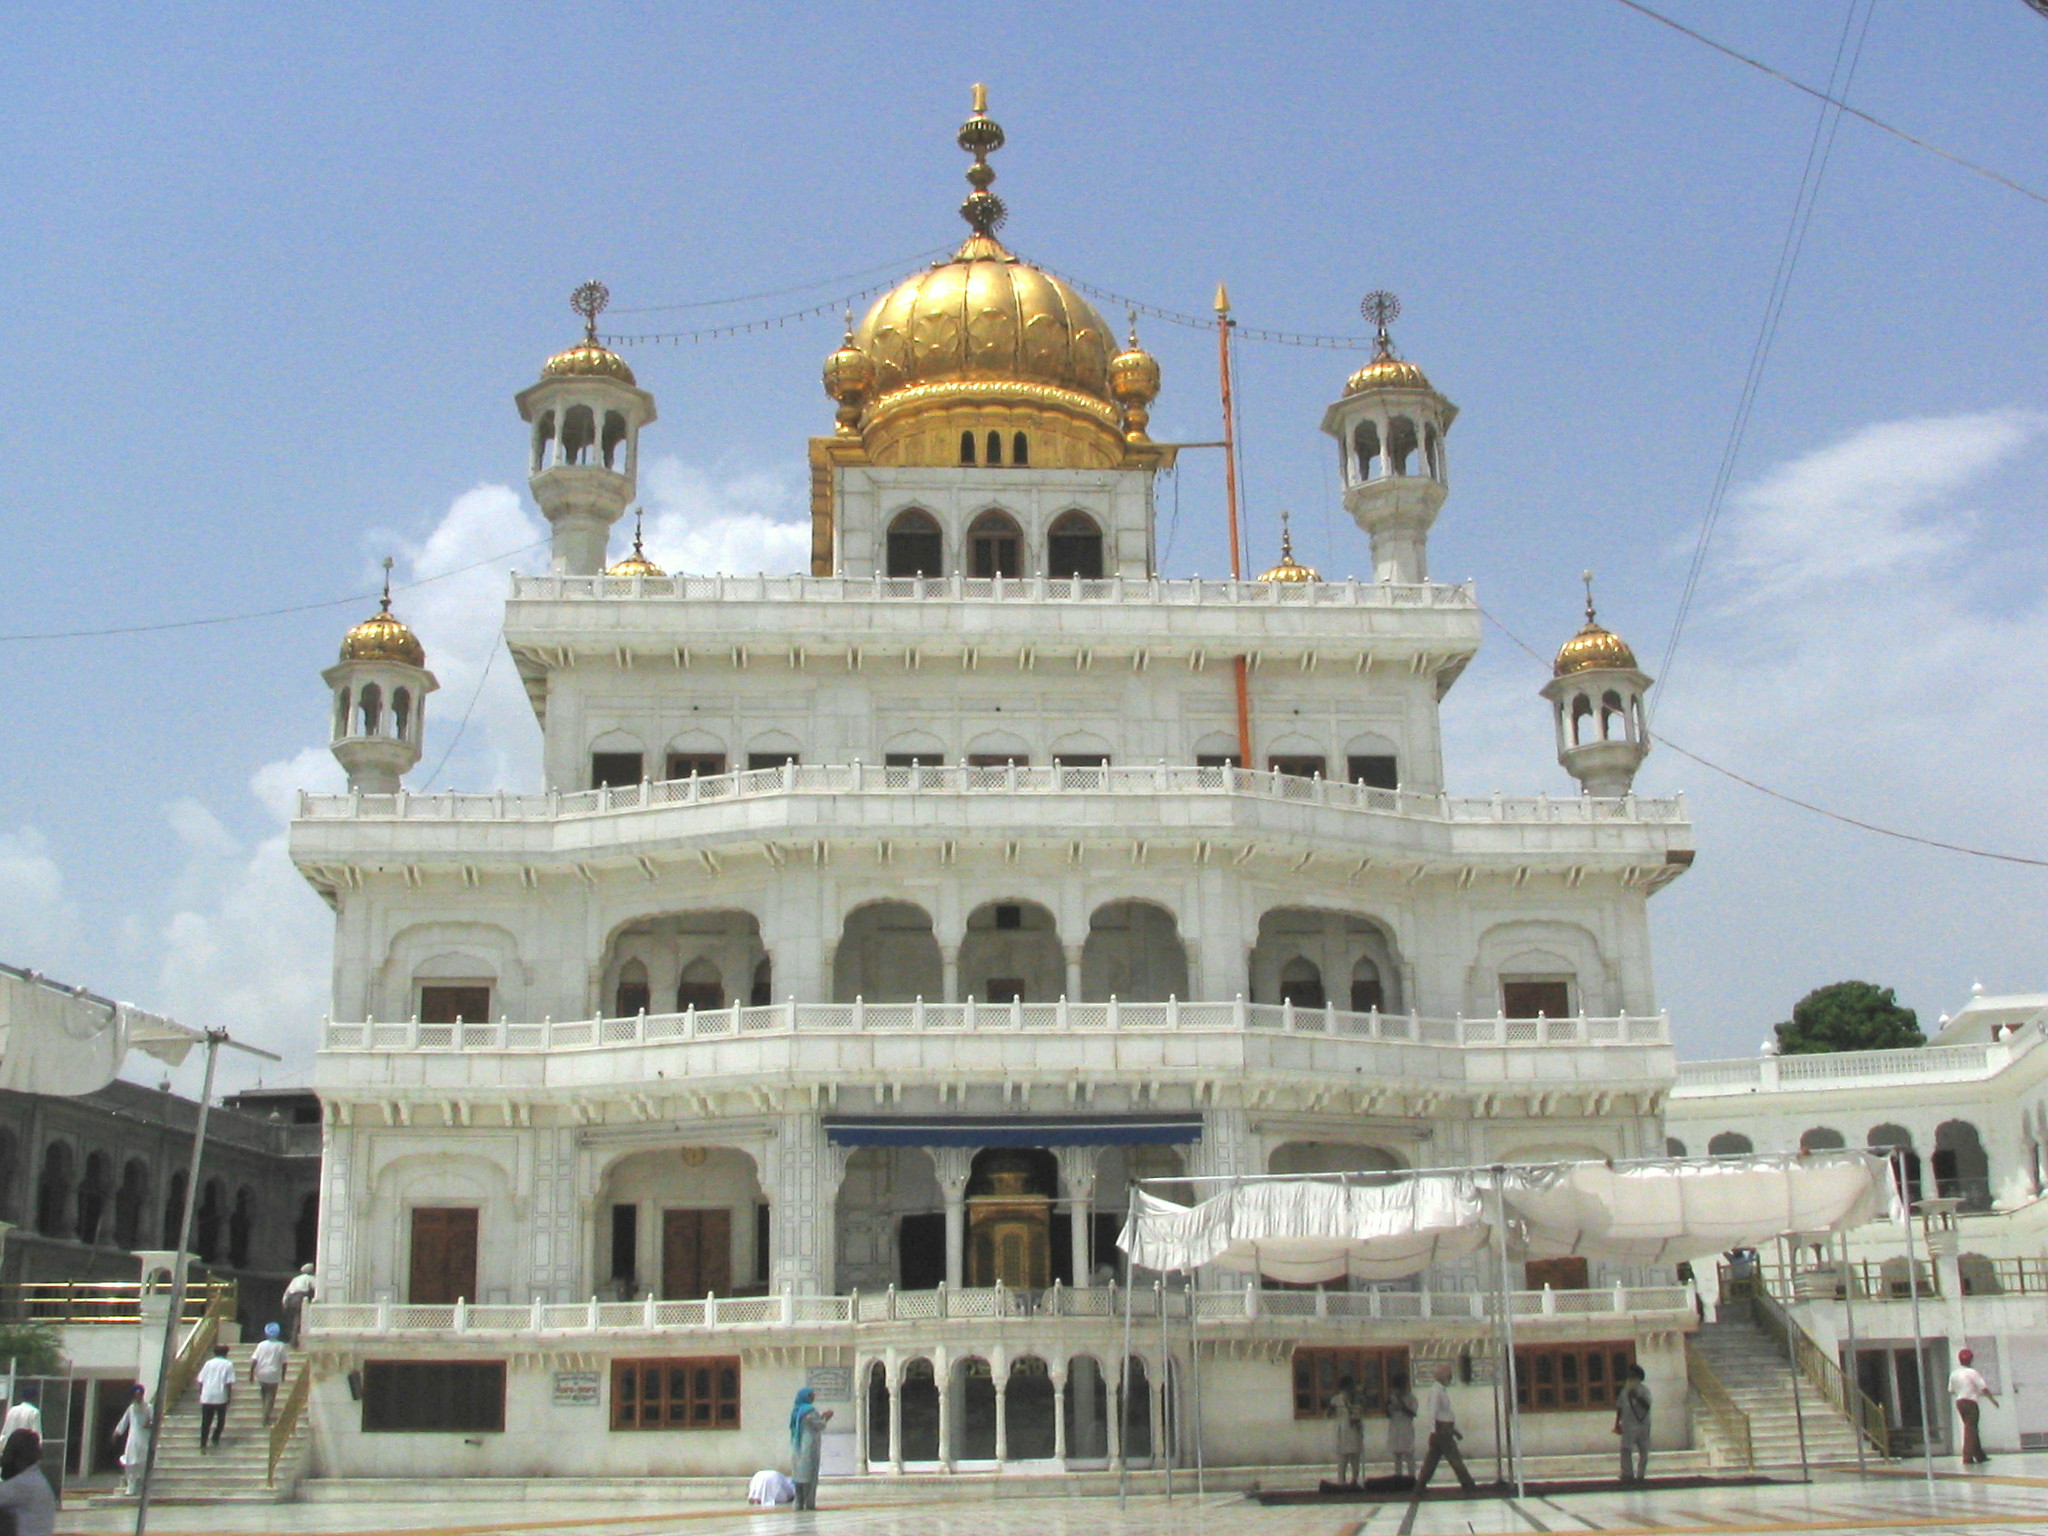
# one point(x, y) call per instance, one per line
point(1012, 1130)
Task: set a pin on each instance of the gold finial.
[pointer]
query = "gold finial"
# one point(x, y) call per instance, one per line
point(387, 584)
point(637, 563)
point(981, 135)
point(1222, 300)
point(589, 301)
point(1286, 537)
point(1134, 384)
point(1287, 570)
point(1380, 307)
point(1587, 578)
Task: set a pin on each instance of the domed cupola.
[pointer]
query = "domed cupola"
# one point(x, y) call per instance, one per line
point(586, 413)
point(380, 687)
point(1390, 425)
point(984, 359)
point(1596, 693)
point(637, 563)
point(1287, 570)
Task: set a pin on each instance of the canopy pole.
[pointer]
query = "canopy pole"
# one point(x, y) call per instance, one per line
point(1854, 1374)
point(1919, 1340)
point(1123, 1375)
point(1507, 1330)
point(1162, 1440)
point(1763, 1279)
point(1195, 1388)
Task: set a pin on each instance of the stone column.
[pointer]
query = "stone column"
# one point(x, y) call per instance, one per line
point(953, 1165)
point(801, 1175)
point(942, 1378)
point(895, 1379)
point(1058, 1371)
point(1073, 972)
point(1077, 1175)
point(999, 1376)
point(949, 967)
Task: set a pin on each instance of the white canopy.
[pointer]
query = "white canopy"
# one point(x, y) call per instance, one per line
point(55, 1039)
point(1325, 1227)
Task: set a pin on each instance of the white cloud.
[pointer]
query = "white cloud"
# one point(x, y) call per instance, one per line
point(38, 922)
point(738, 525)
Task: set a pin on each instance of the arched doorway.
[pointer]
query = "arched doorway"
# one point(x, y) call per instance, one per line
point(1010, 1228)
point(1310, 956)
point(1134, 952)
point(1030, 1408)
point(1962, 1170)
point(887, 954)
point(683, 1222)
point(1011, 952)
point(973, 1405)
point(920, 1412)
point(1086, 1406)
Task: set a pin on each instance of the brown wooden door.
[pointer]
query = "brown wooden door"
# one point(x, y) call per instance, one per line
point(696, 1253)
point(443, 1255)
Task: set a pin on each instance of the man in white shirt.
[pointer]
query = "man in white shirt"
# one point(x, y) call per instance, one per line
point(216, 1386)
point(1443, 1435)
point(267, 1369)
point(23, 1415)
point(1966, 1384)
point(296, 1294)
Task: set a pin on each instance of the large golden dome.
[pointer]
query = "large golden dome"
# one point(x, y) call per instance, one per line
point(1594, 648)
point(383, 637)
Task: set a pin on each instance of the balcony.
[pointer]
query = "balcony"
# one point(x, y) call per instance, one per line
point(1819, 1073)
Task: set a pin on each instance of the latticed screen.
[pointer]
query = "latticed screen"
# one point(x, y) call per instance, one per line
point(1566, 1378)
point(701, 1393)
point(1317, 1372)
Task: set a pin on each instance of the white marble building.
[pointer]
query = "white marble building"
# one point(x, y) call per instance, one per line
point(877, 925)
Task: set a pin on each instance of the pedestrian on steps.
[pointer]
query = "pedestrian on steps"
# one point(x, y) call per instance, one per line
point(1966, 1384)
point(297, 1293)
point(267, 1367)
point(1632, 1423)
point(1443, 1435)
point(216, 1386)
point(133, 1433)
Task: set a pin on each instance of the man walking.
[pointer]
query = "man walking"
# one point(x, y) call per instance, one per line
point(1966, 1384)
point(216, 1386)
point(267, 1369)
point(1443, 1435)
point(1632, 1423)
point(296, 1294)
point(135, 1428)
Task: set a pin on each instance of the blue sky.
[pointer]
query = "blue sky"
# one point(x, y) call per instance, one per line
point(275, 274)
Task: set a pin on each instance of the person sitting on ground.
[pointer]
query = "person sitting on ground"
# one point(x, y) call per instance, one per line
point(1443, 1434)
point(1347, 1407)
point(25, 1493)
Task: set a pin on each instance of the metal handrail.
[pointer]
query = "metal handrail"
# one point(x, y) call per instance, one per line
point(95, 1301)
point(1850, 1400)
point(1699, 1375)
point(288, 1415)
point(197, 1346)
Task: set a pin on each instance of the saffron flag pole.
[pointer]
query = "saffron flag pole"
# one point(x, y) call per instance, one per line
point(1244, 699)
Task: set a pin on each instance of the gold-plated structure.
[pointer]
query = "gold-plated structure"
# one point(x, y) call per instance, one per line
point(1009, 1231)
point(1287, 570)
point(1134, 383)
point(383, 636)
point(1386, 370)
point(589, 357)
point(637, 563)
point(1593, 648)
point(849, 379)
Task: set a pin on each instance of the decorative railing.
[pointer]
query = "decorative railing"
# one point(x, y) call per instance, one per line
point(289, 1412)
point(197, 1347)
point(95, 1301)
point(1862, 1411)
point(1187, 592)
point(858, 1017)
point(1727, 1414)
point(1842, 1069)
point(839, 779)
point(965, 1304)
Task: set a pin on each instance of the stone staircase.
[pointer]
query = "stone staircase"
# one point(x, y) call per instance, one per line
point(1755, 1373)
point(236, 1471)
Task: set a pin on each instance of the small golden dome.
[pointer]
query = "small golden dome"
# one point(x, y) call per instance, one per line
point(1287, 570)
point(637, 563)
point(849, 375)
point(1386, 371)
point(1594, 648)
point(589, 358)
point(1134, 374)
point(383, 635)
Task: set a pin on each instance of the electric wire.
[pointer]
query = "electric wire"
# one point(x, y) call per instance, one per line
point(783, 293)
point(1856, 112)
point(490, 660)
point(1819, 148)
point(265, 613)
point(1777, 794)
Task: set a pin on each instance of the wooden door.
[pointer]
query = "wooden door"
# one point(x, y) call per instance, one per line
point(696, 1253)
point(443, 1255)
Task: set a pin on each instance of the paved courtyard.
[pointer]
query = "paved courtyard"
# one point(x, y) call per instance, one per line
point(2011, 1498)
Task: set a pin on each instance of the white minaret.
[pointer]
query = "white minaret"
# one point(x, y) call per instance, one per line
point(1390, 429)
point(380, 690)
point(1596, 696)
point(586, 413)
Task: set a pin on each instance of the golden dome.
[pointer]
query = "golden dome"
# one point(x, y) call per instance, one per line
point(848, 377)
point(637, 563)
point(383, 636)
point(1287, 570)
point(1386, 371)
point(1594, 648)
point(589, 358)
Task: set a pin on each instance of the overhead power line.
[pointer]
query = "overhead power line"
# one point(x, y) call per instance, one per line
point(782, 293)
point(1777, 794)
point(1856, 112)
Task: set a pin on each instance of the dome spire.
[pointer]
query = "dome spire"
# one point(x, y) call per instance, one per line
point(1592, 618)
point(981, 135)
point(386, 600)
point(1287, 569)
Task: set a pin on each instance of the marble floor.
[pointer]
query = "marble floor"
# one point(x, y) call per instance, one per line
point(2008, 1499)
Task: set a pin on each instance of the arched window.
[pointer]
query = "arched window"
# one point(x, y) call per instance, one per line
point(579, 434)
point(967, 447)
point(10, 1166)
point(174, 1210)
point(1020, 449)
point(94, 1191)
point(341, 712)
point(1433, 451)
point(995, 449)
point(633, 993)
point(1400, 444)
point(1730, 1144)
point(914, 546)
point(995, 547)
point(1896, 1142)
point(129, 1203)
point(306, 1230)
point(242, 1228)
point(614, 441)
point(1673, 1147)
point(53, 1191)
point(1821, 1139)
point(1301, 983)
point(370, 708)
point(401, 712)
point(1365, 451)
point(1073, 547)
point(1582, 717)
point(1367, 995)
point(1613, 720)
point(1961, 1170)
point(763, 991)
point(701, 987)
point(543, 439)
point(210, 1221)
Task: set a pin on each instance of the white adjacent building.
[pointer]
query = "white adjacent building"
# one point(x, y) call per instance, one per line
point(878, 925)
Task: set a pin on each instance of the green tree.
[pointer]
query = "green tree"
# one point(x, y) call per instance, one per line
point(1849, 1016)
point(36, 1348)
